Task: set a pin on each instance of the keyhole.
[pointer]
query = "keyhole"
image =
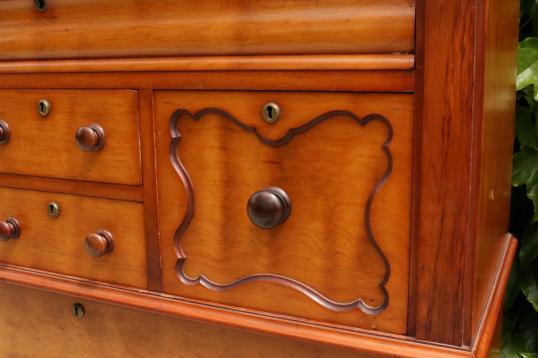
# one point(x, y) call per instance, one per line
point(78, 310)
point(40, 5)
point(271, 112)
point(44, 107)
point(53, 209)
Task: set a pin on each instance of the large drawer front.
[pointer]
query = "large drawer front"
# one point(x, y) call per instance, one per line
point(57, 244)
point(46, 145)
point(343, 162)
point(123, 28)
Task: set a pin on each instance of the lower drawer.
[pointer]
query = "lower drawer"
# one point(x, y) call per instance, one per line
point(111, 331)
point(61, 241)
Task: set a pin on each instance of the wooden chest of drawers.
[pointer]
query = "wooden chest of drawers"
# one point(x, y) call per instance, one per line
point(336, 172)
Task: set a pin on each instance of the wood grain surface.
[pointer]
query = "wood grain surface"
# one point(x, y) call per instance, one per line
point(151, 209)
point(328, 173)
point(204, 27)
point(57, 244)
point(109, 331)
point(487, 340)
point(498, 46)
point(465, 115)
point(376, 81)
point(77, 187)
point(361, 341)
point(444, 167)
point(46, 146)
point(363, 62)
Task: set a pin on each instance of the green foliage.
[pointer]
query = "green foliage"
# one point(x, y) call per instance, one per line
point(521, 301)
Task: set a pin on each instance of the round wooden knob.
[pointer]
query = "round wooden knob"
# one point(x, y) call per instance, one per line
point(4, 132)
point(9, 229)
point(90, 138)
point(99, 243)
point(269, 207)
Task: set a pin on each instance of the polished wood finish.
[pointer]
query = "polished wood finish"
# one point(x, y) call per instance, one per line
point(110, 331)
point(204, 27)
point(374, 81)
point(454, 200)
point(440, 218)
point(78, 187)
point(46, 146)
point(490, 321)
point(362, 341)
point(227, 164)
point(497, 63)
point(99, 243)
point(57, 244)
point(151, 209)
point(363, 62)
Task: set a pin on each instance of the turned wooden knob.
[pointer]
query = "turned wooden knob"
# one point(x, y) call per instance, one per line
point(269, 207)
point(9, 229)
point(99, 243)
point(90, 138)
point(4, 132)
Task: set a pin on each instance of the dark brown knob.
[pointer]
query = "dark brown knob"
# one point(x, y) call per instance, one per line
point(99, 243)
point(90, 138)
point(4, 132)
point(9, 229)
point(269, 207)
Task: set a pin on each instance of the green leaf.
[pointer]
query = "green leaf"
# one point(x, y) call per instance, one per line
point(513, 346)
point(527, 327)
point(529, 287)
point(525, 166)
point(525, 132)
point(525, 172)
point(528, 355)
point(527, 65)
point(529, 246)
point(528, 77)
point(527, 53)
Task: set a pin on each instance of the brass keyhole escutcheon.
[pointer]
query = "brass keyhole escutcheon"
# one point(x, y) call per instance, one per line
point(43, 107)
point(53, 209)
point(78, 310)
point(271, 112)
point(40, 5)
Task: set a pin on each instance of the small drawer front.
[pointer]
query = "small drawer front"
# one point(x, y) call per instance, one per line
point(97, 239)
point(85, 135)
point(126, 28)
point(289, 203)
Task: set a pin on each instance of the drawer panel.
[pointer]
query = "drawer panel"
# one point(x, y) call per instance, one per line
point(77, 29)
point(344, 162)
point(57, 244)
point(46, 145)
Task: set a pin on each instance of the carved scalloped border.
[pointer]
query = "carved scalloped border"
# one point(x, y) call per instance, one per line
point(268, 277)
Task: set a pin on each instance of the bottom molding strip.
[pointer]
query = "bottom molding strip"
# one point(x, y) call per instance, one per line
point(358, 340)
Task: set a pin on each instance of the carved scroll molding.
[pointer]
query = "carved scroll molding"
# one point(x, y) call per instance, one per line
point(305, 289)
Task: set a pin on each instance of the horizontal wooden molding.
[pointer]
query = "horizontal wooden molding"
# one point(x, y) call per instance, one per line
point(218, 63)
point(493, 309)
point(355, 339)
point(331, 81)
point(73, 187)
